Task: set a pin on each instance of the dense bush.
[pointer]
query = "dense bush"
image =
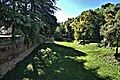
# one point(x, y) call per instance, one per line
point(47, 56)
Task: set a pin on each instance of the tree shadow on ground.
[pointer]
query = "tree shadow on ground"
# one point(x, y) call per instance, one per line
point(66, 68)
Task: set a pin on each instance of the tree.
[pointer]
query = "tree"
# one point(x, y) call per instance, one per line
point(59, 31)
point(89, 20)
point(117, 17)
point(33, 19)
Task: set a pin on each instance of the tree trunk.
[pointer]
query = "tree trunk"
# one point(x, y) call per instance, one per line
point(32, 6)
point(97, 33)
point(108, 44)
point(0, 2)
point(117, 46)
point(117, 52)
point(25, 8)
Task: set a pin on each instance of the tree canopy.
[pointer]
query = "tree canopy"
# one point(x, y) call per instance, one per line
point(100, 24)
point(33, 19)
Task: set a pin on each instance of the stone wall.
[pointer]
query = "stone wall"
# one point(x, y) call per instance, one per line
point(10, 64)
point(8, 52)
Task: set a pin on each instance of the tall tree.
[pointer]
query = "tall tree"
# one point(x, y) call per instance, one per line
point(30, 17)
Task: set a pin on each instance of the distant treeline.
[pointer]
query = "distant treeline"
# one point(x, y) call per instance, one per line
point(101, 24)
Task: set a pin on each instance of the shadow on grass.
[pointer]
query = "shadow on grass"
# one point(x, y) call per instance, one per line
point(66, 68)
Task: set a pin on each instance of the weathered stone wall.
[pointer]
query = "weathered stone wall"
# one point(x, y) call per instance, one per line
point(10, 55)
point(8, 65)
point(8, 52)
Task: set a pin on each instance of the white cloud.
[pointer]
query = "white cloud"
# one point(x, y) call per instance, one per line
point(62, 16)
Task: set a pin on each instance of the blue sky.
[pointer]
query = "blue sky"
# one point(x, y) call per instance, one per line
point(73, 8)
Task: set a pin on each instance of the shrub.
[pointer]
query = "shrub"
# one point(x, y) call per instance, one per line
point(47, 56)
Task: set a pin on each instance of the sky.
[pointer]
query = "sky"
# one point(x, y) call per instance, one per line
point(73, 8)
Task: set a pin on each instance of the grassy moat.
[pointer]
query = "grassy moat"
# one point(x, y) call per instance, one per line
point(73, 62)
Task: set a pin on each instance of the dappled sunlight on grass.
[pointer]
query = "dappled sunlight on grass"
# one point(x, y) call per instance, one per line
point(64, 67)
point(99, 60)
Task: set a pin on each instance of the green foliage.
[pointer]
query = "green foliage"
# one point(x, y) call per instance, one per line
point(47, 56)
point(59, 31)
point(64, 30)
point(77, 35)
point(100, 24)
point(30, 21)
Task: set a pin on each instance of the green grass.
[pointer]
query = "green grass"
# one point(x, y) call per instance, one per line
point(101, 60)
point(65, 68)
point(76, 62)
